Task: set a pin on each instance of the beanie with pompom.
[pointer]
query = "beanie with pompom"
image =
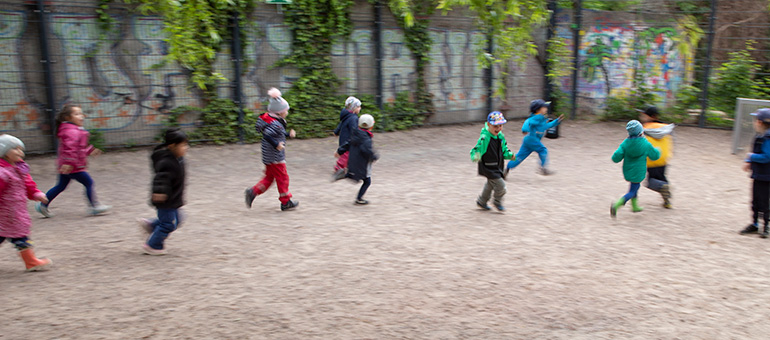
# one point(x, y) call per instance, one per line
point(276, 104)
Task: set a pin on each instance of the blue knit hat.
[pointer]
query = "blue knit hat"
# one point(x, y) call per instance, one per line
point(634, 128)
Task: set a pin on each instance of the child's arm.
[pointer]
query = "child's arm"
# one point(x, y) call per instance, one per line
point(343, 148)
point(619, 154)
point(161, 183)
point(476, 151)
point(32, 192)
point(70, 150)
point(763, 157)
point(269, 134)
point(554, 122)
point(337, 129)
point(653, 153)
point(507, 153)
point(525, 127)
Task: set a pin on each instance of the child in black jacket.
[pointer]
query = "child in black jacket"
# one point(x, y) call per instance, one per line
point(167, 190)
point(758, 162)
point(362, 155)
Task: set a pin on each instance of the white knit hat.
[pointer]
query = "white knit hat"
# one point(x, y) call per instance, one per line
point(366, 121)
point(352, 102)
point(8, 142)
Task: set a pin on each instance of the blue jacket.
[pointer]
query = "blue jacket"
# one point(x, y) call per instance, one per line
point(760, 158)
point(348, 124)
point(535, 127)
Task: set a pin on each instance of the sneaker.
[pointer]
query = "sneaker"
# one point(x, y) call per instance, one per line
point(499, 207)
point(667, 204)
point(483, 205)
point(361, 202)
point(99, 209)
point(43, 209)
point(750, 229)
point(765, 233)
point(339, 174)
point(545, 172)
point(249, 197)
point(152, 251)
point(290, 205)
point(145, 225)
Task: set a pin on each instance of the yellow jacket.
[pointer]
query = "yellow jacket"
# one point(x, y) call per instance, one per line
point(660, 140)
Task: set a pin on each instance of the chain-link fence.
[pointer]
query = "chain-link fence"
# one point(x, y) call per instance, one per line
point(57, 52)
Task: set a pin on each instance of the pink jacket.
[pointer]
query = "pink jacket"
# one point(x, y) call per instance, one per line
point(16, 186)
point(73, 147)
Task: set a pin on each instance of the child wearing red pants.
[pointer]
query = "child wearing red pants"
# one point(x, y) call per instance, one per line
point(272, 125)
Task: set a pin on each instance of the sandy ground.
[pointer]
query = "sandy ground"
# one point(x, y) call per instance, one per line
point(420, 262)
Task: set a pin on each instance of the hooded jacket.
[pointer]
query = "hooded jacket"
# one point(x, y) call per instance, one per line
point(16, 186)
point(535, 127)
point(760, 157)
point(490, 168)
point(362, 154)
point(634, 152)
point(73, 147)
point(273, 130)
point(660, 136)
point(348, 124)
point(169, 178)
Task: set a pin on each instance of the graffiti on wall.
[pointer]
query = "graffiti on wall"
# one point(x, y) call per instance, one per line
point(611, 54)
point(16, 113)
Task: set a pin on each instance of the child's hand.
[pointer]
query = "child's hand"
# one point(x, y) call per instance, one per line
point(159, 198)
point(65, 169)
point(748, 155)
point(336, 155)
point(292, 133)
point(42, 199)
point(280, 146)
point(476, 157)
point(561, 117)
point(96, 152)
point(747, 167)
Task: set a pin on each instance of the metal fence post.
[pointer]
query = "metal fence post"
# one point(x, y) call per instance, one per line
point(377, 40)
point(237, 60)
point(548, 88)
point(48, 74)
point(576, 27)
point(489, 73)
point(707, 67)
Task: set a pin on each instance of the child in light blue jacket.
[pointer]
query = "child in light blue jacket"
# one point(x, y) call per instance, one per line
point(534, 128)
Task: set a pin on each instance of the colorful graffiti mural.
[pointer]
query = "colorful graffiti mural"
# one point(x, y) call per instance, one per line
point(612, 54)
point(16, 113)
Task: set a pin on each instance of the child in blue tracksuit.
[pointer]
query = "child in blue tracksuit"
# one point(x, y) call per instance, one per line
point(533, 129)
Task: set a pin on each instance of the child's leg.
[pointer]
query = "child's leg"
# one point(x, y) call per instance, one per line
point(281, 181)
point(88, 183)
point(498, 186)
point(64, 180)
point(364, 187)
point(27, 254)
point(761, 200)
point(486, 193)
point(523, 153)
point(266, 181)
point(342, 161)
point(166, 224)
point(633, 190)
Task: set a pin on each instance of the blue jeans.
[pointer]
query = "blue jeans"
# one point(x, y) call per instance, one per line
point(167, 222)
point(528, 148)
point(64, 180)
point(632, 191)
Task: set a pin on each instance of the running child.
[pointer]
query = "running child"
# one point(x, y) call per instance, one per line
point(659, 135)
point(348, 124)
point(490, 152)
point(362, 155)
point(272, 125)
point(16, 187)
point(72, 160)
point(634, 152)
point(758, 162)
point(167, 190)
point(534, 129)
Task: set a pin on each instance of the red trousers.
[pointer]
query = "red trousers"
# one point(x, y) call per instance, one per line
point(277, 173)
point(342, 161)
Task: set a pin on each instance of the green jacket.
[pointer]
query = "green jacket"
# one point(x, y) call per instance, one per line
point(635, 152)
point(481, 145)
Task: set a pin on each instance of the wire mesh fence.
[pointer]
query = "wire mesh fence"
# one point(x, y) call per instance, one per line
point(56, 53)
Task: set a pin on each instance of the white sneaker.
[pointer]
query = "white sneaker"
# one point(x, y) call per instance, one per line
point(99, 209)
point(145, 225)
point(43, 210)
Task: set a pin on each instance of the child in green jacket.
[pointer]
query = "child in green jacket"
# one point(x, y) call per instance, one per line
point(490, 152)
point(635, 149)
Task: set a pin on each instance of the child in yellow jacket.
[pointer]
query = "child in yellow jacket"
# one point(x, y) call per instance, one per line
point(659, 135)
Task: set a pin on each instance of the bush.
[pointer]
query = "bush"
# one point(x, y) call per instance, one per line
point(624, 107)
point(688, 97)
point(218, 123)
point(733, 79)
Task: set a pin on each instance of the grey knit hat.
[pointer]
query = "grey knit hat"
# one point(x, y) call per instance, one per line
point(8, 142)
point(277, 104)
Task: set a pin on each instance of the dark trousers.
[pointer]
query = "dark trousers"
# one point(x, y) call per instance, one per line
point(364, 187)
point(760, 200)
point(21, 243)
point(656, 178)
point(64, 180)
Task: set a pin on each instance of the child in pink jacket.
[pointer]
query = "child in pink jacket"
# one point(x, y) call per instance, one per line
point(74, 150)
point(16, 186)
